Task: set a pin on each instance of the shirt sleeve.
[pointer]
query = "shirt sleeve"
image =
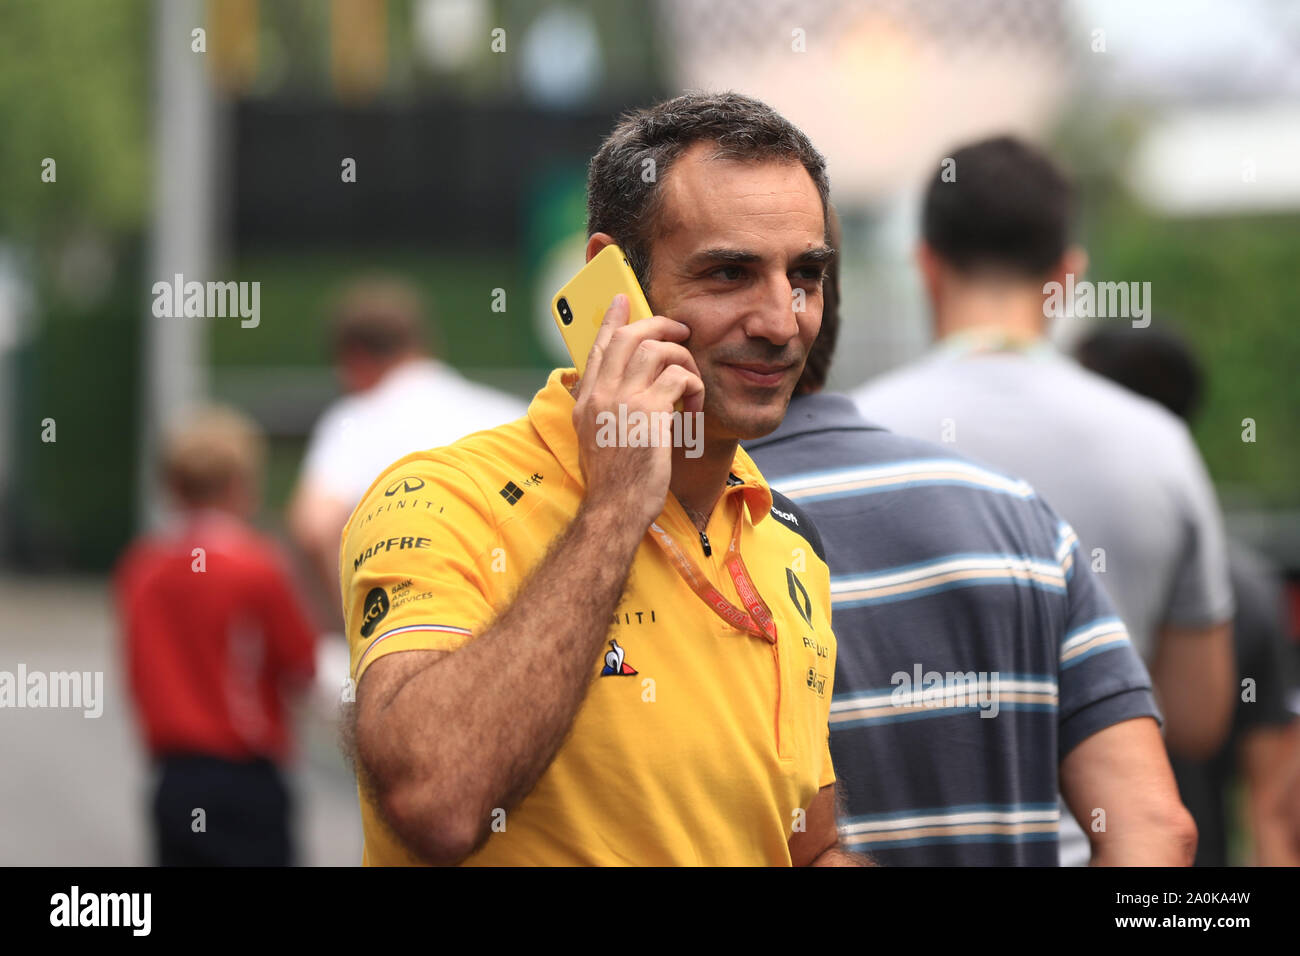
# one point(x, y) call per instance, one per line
point(415, 563)
point(1201, 591)
point(333, 461)
point(828, 765)
point(1101, 679)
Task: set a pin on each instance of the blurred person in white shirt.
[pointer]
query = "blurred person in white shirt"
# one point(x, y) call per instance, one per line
point(399, 399)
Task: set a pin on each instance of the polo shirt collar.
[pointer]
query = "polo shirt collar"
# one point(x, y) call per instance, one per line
point(551, 413)
point(818, 412)
point(746, 476)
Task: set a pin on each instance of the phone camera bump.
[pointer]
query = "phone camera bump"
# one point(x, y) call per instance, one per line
point(566, 313)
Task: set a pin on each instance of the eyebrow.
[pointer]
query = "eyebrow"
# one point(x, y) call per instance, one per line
point(819, 254)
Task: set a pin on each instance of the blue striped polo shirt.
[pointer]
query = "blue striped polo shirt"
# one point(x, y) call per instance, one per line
point(975, 649)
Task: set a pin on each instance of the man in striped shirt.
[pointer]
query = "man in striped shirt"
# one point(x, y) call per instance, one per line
point(996, 241)
point(980, 664)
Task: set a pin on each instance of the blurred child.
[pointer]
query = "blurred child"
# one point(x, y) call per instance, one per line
point(215, 639)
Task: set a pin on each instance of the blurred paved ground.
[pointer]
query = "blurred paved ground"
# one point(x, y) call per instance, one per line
point(73, 789)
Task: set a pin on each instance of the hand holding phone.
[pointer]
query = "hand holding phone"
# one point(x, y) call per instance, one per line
point(580, 306)
point(641, 366)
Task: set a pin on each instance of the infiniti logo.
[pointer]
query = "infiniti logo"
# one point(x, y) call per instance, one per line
point(404, 485)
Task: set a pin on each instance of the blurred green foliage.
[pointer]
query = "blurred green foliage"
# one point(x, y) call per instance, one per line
point(74, 87)
point(1228, 284)
point(75, 497)
point(298, 290)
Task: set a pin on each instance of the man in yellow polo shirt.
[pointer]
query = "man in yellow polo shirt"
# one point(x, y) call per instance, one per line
point(574, 651)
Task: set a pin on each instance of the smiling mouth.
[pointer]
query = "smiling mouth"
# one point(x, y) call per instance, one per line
point(764, 375)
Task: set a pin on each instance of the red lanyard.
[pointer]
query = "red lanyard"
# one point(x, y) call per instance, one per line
point(699, 582)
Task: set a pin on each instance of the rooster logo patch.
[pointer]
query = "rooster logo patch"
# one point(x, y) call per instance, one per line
point(614, 664)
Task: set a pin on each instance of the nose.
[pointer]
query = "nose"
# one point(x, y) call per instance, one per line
point(775, 316)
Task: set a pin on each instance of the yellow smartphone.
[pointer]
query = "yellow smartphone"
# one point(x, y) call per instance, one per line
point(580, 306)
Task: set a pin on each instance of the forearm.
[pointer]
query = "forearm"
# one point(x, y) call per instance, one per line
point(1275, 844)
point(1268, 755)
point(1193, 674)
point(316, 521)
point(1170, 842)
point(1195, 721)
point(323, 557)
point(1120, 788)
point(481, 725)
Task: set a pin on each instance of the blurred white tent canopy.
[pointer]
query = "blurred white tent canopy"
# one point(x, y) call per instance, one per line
point(1207, 162)
point(881, 87)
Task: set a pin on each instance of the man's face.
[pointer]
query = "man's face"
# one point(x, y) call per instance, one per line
point(357, 371)
point(739, 256)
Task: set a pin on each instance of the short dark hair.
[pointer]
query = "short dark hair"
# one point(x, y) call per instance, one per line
point(1001, 206)
point(620, 200)
point(818, 364)
point(1155, 362)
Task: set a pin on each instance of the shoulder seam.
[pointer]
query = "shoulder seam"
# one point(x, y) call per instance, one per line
point(487, 503)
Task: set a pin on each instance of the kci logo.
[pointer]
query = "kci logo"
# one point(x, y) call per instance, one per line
point(373, 610)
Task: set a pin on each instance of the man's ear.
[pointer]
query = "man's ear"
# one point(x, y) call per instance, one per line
point(930, 266)
point(1074, 261)
point(597, 242)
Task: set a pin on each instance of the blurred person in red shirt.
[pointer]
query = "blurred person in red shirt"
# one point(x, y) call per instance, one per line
point(216, 639)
